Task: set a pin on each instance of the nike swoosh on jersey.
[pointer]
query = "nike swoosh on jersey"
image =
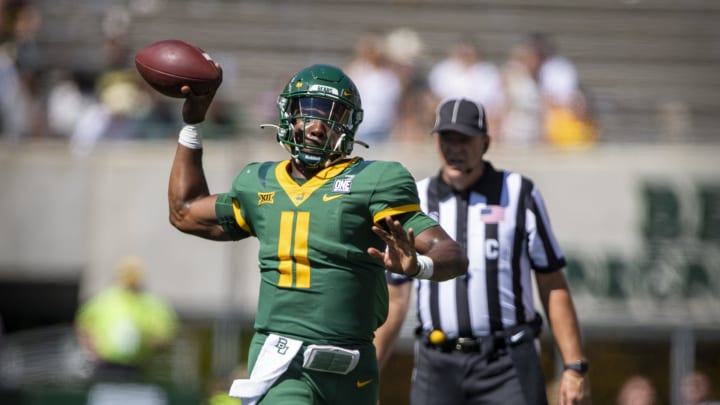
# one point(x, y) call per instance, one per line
point(361, 384)
point(327, 198)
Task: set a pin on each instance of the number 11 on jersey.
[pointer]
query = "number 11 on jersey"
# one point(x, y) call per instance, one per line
point(293, 249)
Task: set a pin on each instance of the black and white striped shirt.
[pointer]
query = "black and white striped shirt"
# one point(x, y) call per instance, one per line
point(503, 225)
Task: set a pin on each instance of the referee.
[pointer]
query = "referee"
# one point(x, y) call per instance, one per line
point(476, 342)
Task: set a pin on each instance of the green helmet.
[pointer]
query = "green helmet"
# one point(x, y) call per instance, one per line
point(325, 93)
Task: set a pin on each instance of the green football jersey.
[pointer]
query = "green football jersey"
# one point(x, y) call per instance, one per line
point(318, 283)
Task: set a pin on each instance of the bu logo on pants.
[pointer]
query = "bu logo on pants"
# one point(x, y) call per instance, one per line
point(282, 345)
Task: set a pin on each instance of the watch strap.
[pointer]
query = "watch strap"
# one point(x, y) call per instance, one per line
point(580, 366)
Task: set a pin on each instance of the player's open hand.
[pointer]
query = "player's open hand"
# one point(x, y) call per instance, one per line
point(400, 256)
point(196, 105)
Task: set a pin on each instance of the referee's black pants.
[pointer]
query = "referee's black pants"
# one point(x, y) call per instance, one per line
point(457, 378)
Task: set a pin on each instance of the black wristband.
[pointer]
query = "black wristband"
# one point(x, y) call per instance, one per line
point(580, 366)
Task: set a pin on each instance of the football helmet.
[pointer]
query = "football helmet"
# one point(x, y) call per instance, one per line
point(324, 93)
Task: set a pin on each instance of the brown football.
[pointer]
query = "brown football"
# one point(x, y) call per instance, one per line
point(170, 64)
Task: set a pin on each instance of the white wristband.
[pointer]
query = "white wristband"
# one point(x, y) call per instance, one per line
point(425, 267)
point(190, 137)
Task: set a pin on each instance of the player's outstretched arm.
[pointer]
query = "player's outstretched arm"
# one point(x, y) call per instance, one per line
point(192, 207)
point(433, 254)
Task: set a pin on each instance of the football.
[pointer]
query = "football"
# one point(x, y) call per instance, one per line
point(170, 64)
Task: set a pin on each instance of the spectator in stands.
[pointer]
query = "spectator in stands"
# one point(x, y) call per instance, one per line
point(696, 389)
point(464, 73)
point(123, 326)
point(404, 48)
point(557, 75)
point(523, 111)
point(417, 103)
point(12, 111)
point(28, 59)
point(69, 94)
point(114, 115)
point(19, 103)
point(109, 114)
point(416, 109)
point(637, 390)
point(568, 118)
point(379, 86)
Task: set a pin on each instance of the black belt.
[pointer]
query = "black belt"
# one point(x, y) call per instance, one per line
point(495, 343)
point(477, 344)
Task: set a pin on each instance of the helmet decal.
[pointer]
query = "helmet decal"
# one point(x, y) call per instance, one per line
point(326, 89)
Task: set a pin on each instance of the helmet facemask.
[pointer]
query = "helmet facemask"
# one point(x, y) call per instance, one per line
point(304, 114)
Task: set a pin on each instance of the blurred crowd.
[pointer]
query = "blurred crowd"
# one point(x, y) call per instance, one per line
point(695, 389)
point(531, 93)
point(83, 106)
point(533, 96)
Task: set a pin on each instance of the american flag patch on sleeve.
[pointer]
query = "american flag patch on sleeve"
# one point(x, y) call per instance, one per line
point(492, 214)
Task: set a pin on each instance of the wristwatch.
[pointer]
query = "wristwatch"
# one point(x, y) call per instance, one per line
point(580, 366)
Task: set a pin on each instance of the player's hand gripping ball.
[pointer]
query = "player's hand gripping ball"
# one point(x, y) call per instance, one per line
point(170, 64)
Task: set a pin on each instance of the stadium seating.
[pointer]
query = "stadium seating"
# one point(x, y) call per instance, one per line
point(641, 61)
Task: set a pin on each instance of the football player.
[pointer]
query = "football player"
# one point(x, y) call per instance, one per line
point(328, 225)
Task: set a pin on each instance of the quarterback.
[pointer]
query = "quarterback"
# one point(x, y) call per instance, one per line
point(328, 224)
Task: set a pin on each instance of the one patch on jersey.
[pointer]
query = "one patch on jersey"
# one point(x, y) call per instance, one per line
point(266, 198)
point(343, 185)
point(492, 214)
